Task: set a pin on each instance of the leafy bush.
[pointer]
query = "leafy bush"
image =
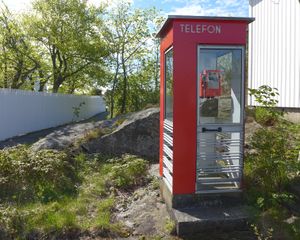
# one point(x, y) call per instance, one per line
point(266, 116)
point(128, 172)
point(11, 222)
point(273, 163)
point(265, 95)
point(266, 113)
point(41, 183)
point(42, 175)
point(90, 209)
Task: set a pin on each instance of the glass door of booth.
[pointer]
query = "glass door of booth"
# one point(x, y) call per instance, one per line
point(220, 118)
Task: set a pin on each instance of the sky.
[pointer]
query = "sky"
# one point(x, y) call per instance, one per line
point(234, 8)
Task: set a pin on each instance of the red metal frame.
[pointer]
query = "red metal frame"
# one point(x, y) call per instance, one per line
point(233, 32)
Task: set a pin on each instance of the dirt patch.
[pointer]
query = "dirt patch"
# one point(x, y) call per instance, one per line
point(143, 212)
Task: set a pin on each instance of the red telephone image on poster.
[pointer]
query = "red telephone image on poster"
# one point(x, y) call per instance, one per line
point(210, 83)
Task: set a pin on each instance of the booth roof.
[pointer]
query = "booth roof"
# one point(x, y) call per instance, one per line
point(189, 17)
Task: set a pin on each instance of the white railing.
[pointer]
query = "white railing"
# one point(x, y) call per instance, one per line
point(220, 160)
point(22, 112)
point(168, 154)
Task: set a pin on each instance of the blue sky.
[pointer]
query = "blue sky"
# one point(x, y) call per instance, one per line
point(235, 8)
point(198, 7)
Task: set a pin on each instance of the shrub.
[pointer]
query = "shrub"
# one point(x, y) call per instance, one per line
point(266, 113)
point(42, 175)
point(273, 163)
point(265, 116)
point(90, 209)
point(128, 172)
point(11, 222)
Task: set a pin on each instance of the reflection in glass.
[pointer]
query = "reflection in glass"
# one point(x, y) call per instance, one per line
point(220, 79)
point(169, 85)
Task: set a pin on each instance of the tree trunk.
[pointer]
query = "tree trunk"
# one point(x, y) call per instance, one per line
point(55, 87)
point(112, 95)
point(57, 82)
point(156, 74)
point(5, 82)
point(5, 75)
point(42, 86)
point(43, 81)
point(125, 83)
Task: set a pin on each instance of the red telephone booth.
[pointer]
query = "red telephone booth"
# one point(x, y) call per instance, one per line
point(202, 106)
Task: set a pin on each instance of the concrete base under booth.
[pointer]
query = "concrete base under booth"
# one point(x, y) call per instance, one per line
point(199, 213)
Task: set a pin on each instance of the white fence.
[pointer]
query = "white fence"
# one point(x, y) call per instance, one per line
point(22, 112)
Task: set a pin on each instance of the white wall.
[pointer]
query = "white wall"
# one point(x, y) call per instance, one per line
point(25, 111)
point(274, 49)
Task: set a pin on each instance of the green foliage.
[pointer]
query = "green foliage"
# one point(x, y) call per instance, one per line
point(266, 117)
point(266, 113)
point(155, 183)
point(74, 47)
point(42, 175)
point(265, 95)
point(267, 235)
point(90, 209)
point(273, 163)
point(104, 208)
point(119, 121)
point(294, 228)
point(58, 216)
point(270, 169)
point(77, 109)
point(133, 58)
point(93, 134)
point(276, 223)
point(128, 172)
point(55, 215)
point(170, 226)
point(67, 32)
point(11, 222)
point(19, 60)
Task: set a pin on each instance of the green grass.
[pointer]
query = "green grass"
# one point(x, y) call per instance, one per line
point(170, 226)
point(90, 209)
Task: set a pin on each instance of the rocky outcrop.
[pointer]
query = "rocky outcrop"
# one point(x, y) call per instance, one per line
point(63, 137)
point(138, 135)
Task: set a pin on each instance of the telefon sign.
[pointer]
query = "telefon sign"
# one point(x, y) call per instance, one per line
point(200, 28)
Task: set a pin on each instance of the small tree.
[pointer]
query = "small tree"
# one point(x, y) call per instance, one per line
point(128, 34)
point(266, 113)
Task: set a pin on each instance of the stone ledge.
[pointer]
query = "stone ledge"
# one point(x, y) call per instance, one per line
point(195, 220)
point(196, 213)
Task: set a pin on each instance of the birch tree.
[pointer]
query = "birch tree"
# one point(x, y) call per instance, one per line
point(128, 32)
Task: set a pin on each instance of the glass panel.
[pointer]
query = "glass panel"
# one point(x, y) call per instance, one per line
point(220, 81)
point(169, 85)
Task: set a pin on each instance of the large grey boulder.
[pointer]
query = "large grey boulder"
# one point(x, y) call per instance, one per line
point(138, 134)
point(63, 137)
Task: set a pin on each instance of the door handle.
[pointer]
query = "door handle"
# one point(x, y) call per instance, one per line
point(219, 129)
